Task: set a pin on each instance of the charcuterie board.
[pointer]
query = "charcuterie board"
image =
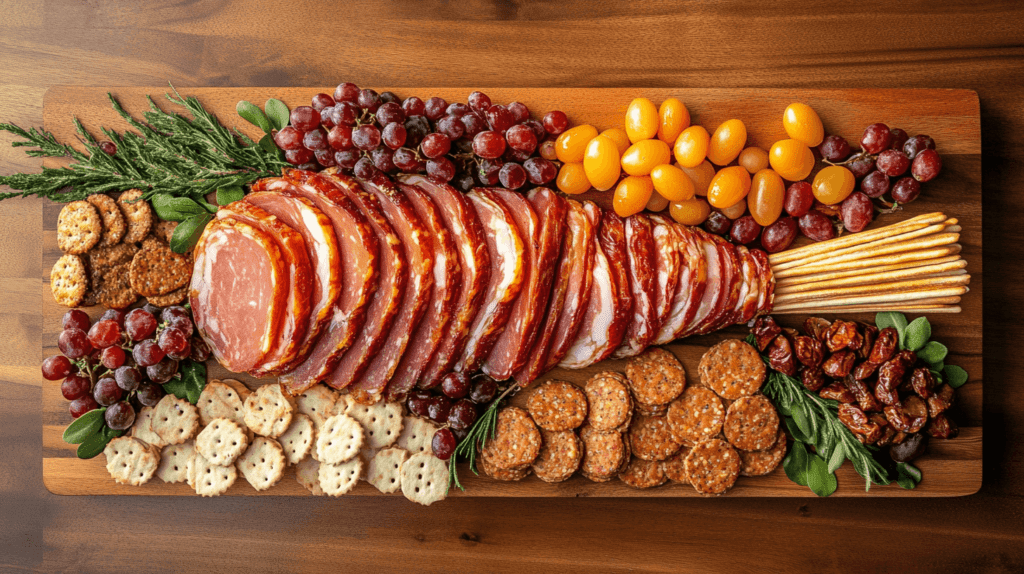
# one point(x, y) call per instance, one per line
point(951, 117)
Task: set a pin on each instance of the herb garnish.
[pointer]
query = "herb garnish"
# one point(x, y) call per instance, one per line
point(482, 430)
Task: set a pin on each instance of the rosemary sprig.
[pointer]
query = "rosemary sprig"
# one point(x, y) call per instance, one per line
point(482, 430)
point(169, 153)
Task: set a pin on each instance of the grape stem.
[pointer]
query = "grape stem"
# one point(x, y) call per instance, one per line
point(859, 155)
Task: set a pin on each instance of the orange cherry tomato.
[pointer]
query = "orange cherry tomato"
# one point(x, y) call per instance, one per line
point(641, 120)
point(754, 159)
point(692, 146)
point(632, 195)
point(791, 159)
point(833, 184)
point(642, 156)
point(803, 124)
point(767, 196)
point(735, 211)
point(727, 142)
point(672, 182)
point(690, 212)
point(674, 119)
point(572, 178)
point(572, 143)
point(657, 203)
point(730, 185)
point(701, 176)
point(601, 163)
point(618, 135)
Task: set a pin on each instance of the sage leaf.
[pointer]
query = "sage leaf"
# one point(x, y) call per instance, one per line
point(226, 195)
point(908, 475)
point(252, 114)
point(267, 143)
point(193, 377)
point(933, 353)
point(800, 416)
point(836, 460)
point(955, 376)
point(819, 479)
point(85, 426)
point(794, 430)
point(795, 464)
point(176, 387)
point(892, 319)
point(93, 446)
point(918, 333)
point(172, 208)
point(187, 233)
point(278, 113)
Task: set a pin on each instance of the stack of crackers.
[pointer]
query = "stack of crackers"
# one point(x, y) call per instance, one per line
point(115, 252)
point(332, 442)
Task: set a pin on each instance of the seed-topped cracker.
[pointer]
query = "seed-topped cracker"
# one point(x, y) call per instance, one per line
point(609, 401)
point(164, 230)
point(114, 226)
point(642, 473)
point(516, 441)
point(762, 462)
point(651, 439)
point(751, 423)
point(268, 411)
point(696, 416)
point(131, 461)
point(138, 215)
point(156, 270)
point(424, 479)
point(604, 453)
point(173, 298)
point(79, 228)
point(557, 406)
point(560, 455)
point(675, 466)
point(656, 377)
point(712, 467)
point(262, 464)
point(113, 289)
point(103, 258)
point(504, 475)
point(69, 281)
point(733, 369)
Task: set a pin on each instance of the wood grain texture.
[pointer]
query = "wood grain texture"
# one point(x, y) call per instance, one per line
point(952, 468)
point(743, 44)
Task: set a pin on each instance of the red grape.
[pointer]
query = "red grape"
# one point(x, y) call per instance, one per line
point(389, 97)
point(305, 118)
point(512, 176)
point(745, 230)
point(405, 159)
point(462, 415)
point(74, 343)
point(479, 101)
point(876, 138)
point(162, 372)
point(834, 148)
point(487, 171)
point(390, 113)
point(346, 92)
point(443, 444)
point(347, 159)
point(926, 166)
point(106, 392)
point(514, 155)
point(115, 315)
point(539, 170)
point(325, 157)
point(455, 385)
point(435, 108)
point(364, 168)
point(152, 309)
point(899, 138)
point(298, 157)
point(537, 128)
point(451, 126)
point(441, 169)
point(489, 145)
point(56, 367)
point(472, 124)
point(309, 165)
point(555, 122)
point(330, 117)
point(906, 190)
point(366, 137)
point(315, 139)
point(288, 138)
point(718, 223)
point(75, 318)
point(321, 101)
point(82, 405)
point(876, 184)
point(458, 110)
point(348, 114)
point(484, 390)
point(139, 324)
point(861, 166)
point(917, 144)
point(149, 394)
point(799, 198)
point(779, 235)
point(414, 106)
point(435, 145)
point(817, 226)
point(417, 402)
point(521, 138)
point(172, 340)
point(112, 357)
point(519, 111)
point(892, 163)
point(547, 150)
point(200, 351)
point(438, 408)
point(856, 211)
point(75, 386)
point(382, 159)
point(128, 378)
point(499, 118)
point(394, 135)
point(369, 100)
point(147, 353)
point(416, 128)
point(119, 416)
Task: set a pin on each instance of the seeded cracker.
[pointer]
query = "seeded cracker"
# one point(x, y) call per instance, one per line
point(142, 429)
point(210, 479)
point(516, 441)
point(560, 456)
point(307, 473)
point(297, 441)
point(385, 469)
point(712, 467)
point(114, 226)
point(174, 461)
point(651, 439)
point(751, 423)
point(416, 435)
point(113, 289)
point(603, 453)
point(79, 228)
point(339, 440)
point(382, 421)
point(268, 411)
point(557, 406)
point(643, 474)
point(164, 230)
point(156, 270)
point(650, 410)
point(655, 377)
point(102, 259)
point(317, 402)
point(504, 475)
point(696, 416)
point(173, 298)
point(339, 479)
point(68, 281)
point(424, 479)
point(222, 441)
point(733, 369)
point(262, 464)
point(137, 214)
point(131, 461)
point(675, 466)
point(175, 420)
point(610, 404)
point(762, 462)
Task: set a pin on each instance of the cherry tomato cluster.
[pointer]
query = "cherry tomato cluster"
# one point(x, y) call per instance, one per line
point(455, 404)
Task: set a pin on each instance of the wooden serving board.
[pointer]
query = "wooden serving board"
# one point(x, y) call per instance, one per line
point(951, 117)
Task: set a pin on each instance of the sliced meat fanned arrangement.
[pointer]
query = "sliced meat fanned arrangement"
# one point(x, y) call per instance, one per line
point(378, 286)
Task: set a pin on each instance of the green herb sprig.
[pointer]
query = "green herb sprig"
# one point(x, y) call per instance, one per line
point(481, 431)
point(916, 336)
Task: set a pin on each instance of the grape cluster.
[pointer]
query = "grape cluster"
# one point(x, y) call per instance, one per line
point(456, 404)
point(470, 144)
point(121, 360)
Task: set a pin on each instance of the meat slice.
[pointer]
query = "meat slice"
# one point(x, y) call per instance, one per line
point(669, 262)
point(360, 262)
point(579, 265)
point(746, 307)
point(321, 244)
point(506, 253)
point(238, 289)
point(612, 240)
point(468, 234)
point(541, 220)
point(766, 280)
point(415, 239)
point(713, 290)
point(730, 286)
point(694, 259)
point(295, 311)
point(677, 311)
point(444, 291)
point(642, 279)
point(390, 288)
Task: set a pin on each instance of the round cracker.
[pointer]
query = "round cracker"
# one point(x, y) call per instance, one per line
point(385, 469)
point(220, 400)
point(114, 226)
point(656, 377)
point(560, 455)
point(307, 473)
point(609, 402)
point(175, 420)
point(695, 416)
point(751, 423)
point(516, 440)
point(339, 479)
point(210, 479)
point(268, 411)
point(79, 228)
point(298, 440)
point(557, 406)
point(504, 475)
point(317, 402)
point(142, 428)
point(416, 435)
point(424, 479)
point(382, 421)
point(222, 441)
point(339, 440)
point(113, 289)
point(104, 258)
point(604, 453)
point(174, 461)
point(650, 410)
point(137, 213)
point(651, 439)
point(156, 270)
point(131, 461)
point(69, 281)
point(675, 466)
point(733, 369)
point(262, 464)
point(642, 474)
point(712, 467)
point(173, 298)
point(164, 230)
point(762, 462)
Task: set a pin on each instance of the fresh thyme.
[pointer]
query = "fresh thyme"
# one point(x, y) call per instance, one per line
point(482, 430)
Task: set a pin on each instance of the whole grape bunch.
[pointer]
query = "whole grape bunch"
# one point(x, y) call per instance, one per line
point(122, 360)
point(477, 143)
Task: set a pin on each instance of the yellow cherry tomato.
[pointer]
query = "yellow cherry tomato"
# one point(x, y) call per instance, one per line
point(642, 156)
point(767, 195)
point(833, 184)
point(735, 211)
point(730, 185)
point(632, 195)
point(674, 118)
point(803, 124)
point(672, 182)
point(618, 135)
point(572, 143)
point(791, 159)
point(641, 120)
point(690, 212)
point(727, 142)
point(692, 146)
point(601, 163)
point(572, 178)
point(754, 159)
point(701, 176)
point(657, 203)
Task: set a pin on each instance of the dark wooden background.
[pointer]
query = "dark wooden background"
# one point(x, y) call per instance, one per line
point(959, 44)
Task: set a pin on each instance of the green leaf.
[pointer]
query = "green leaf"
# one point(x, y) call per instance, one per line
point(933, 353)
point(955, 376)
point(252, 114)
point(175, 208)
point(278, 113)
point(908, 475)
point(918, 332)
point(268, 145)
point(800, 417)
point(794, 430)
point(93, 446)
point(892, 319)
point(187, 233)
point(795, 464)
point(226, 195)
point(85, 426)
point(176, 387)
point(193, 376)
point(837, 458)
point(819, 479)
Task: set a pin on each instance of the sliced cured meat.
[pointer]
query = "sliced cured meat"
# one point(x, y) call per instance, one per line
point(239, 286)
point(598, 322)
point(440, 307)
point(384, 305)
point(468, 234)
point(612, 240)
point(676, 316)
point(507, 256)
point(746, 307)
point(321, 244)
point(668, 261)
point(766, 289)
point(694, 258)
point(730, 287)
point(360, 262)
point(295, 312)
point(541, 221)
point(642, 278)
point(579, 265)
point(712, 291)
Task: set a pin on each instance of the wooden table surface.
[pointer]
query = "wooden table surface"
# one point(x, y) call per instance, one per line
point(743, 44)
